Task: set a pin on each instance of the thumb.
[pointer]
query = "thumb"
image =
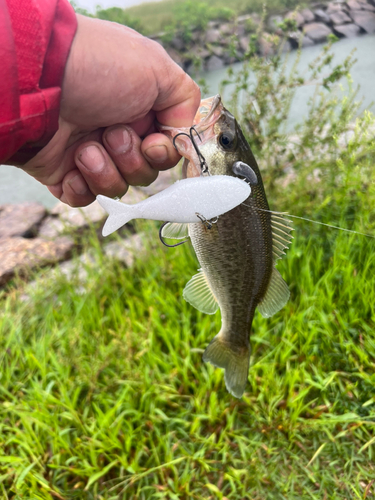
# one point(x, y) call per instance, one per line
point(178, 99)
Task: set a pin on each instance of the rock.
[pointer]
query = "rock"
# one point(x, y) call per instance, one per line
point(318, 32)
point(21, 219)
point(267, 44)
point(217, 50)
point(297, 38)
point(339, 17)
point(321, 16)
point(213, 24)
point(367, 6)
point(334, 7)
point(174, 55)
point(177, 43)
point(239, 30)
point(227, 29)
point(347, 30)
point(51, 228)
point(213, 36)
point(286, 46)
point(273, 24)
point(308, 15)
point(79, 217)
point(296, 16)
point(244, 42)
point(125, 250)
point(20, 255)
point(364, 19)
point(199, 52)
point(353, 5)
point(214, 63)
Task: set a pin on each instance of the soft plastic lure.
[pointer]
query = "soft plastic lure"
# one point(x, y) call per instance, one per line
point(186, 201)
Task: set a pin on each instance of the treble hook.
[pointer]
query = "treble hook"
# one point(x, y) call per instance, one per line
point(162, 239)
point(201, 158)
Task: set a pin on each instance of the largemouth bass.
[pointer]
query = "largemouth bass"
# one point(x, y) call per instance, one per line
point(238, 251)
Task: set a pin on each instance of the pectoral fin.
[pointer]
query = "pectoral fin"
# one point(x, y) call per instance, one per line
point(175, 230)
point(276, 297)
point(199, 294)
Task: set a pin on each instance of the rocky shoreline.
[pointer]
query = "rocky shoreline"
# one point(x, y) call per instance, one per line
point(224, 43)
point(31, 237)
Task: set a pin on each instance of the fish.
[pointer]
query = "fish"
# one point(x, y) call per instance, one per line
point(238, 252)
point(188, 200)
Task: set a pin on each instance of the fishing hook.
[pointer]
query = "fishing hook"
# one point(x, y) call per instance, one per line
point(207, 223)
point(201, 158)
point(162, 239)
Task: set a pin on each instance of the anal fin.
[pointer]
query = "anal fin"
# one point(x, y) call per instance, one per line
point(199, 294)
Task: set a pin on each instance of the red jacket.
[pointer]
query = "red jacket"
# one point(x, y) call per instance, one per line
point(35, 39)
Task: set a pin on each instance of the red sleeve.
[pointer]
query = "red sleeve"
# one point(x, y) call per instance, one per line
point(35, 39)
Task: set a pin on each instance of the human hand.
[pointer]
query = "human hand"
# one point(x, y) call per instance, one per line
point(117, 84)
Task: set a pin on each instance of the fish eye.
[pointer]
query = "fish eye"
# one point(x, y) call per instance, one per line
point(226, 140)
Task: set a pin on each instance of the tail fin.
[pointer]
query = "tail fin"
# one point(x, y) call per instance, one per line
point(119, 214)
point(234, 360)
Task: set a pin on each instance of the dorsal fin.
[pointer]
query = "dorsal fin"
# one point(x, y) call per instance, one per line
point(199, 294)
point(276, 297)
point(175, 230)
point(281, 237)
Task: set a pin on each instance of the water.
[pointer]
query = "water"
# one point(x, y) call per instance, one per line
point(363, 74)
point(16, 186)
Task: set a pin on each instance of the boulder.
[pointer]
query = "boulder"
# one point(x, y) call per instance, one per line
point(217, 50)
point(353, 5)
point(297, 39)
point(214, 63)
point(21, 219)
point(79, 217)
point(308, 15)
point(125, 250)
point(367, 6)
point(296, 16)
point(334, 7)
point(273, 23)
point(321, 16)
point(364, 19)
point(318, 32)
point(227, 29)
point(267, 45)
point(347, 30)
point(244, 42)
point(339, 17)
point(177, 43)
point(213, 36)
point(173, 54)
point(20, 255)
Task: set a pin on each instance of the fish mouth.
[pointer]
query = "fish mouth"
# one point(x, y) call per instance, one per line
point(206, 112)
point(186, 142)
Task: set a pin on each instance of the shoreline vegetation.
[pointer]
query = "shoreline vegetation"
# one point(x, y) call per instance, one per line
point(202, 36)
point(103, 393)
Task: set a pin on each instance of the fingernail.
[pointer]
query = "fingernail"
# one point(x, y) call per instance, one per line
point(92, 158)
point(119, 139)
point(157, 153)
point(78, 185)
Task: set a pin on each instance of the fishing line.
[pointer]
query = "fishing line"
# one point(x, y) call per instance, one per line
point(201, 158)
point(316, 222)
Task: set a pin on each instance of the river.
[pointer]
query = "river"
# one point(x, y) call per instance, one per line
point(16, 186)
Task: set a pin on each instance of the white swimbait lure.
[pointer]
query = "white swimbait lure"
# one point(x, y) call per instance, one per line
point(186, 201)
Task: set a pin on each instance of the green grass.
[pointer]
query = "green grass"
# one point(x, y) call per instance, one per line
point(104, 394)
point(155, 16)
